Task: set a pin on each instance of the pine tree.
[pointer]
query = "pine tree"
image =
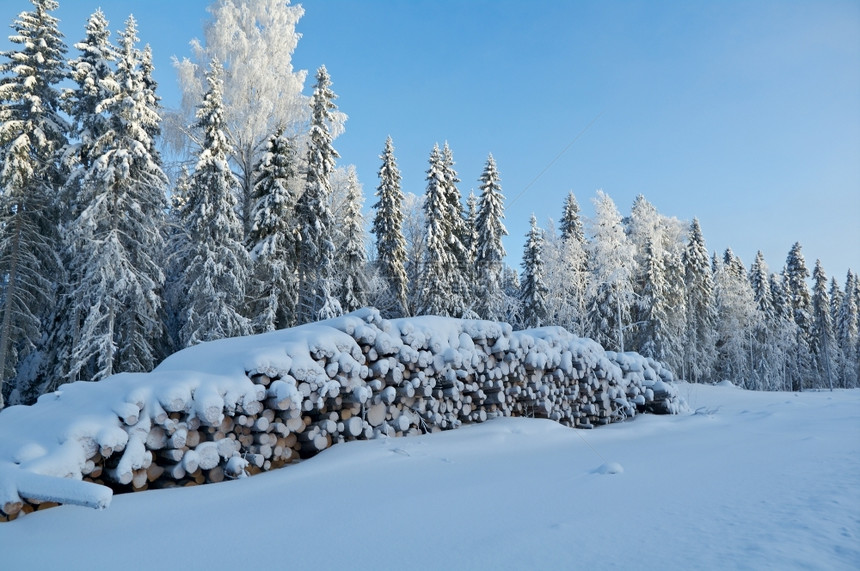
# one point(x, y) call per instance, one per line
point(438, 264)
point(700, 341)
point(796, 274)
point(611, 259)
point(353, 256)
point(822, 335)
point(215, 259)
point(489, 251)
point(117, 238)
point(533, 291)
point(274, 288)
point(32, 133)
point(313, 211)
point(388, 227)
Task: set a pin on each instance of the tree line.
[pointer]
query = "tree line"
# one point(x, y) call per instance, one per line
point(108, 264)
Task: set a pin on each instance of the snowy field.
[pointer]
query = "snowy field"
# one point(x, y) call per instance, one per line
point(753, 480)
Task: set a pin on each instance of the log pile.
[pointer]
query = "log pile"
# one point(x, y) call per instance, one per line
point(355, 377)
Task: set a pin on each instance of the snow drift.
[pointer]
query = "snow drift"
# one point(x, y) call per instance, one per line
point(237, 406)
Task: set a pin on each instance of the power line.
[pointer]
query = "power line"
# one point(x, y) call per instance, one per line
point(558, 156)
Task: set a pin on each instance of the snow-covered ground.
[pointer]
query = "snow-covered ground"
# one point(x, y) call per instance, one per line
point(752, 480)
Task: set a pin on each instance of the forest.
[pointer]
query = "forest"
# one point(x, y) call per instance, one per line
point(113, 257)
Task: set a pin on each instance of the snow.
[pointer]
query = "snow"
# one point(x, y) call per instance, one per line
point(752, 480)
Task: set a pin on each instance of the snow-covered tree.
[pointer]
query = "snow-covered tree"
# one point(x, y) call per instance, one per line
point(457, 243)
point(388, 228)
point(273, 289)
point(611, 260)
point(736, 321)
point(822, 336)
point(848, 333)
point(796, 274)
point(117, 239)
point(654, 338)
point(93, 75)
point(317, 298)
point(767, 358)
point(32, 132)
point(215, 258)
point(413, 232)
point(254, 40)
point(352, 256)
point(533, 290)
point(700, 338)
point(489, 251)
point(438, 263)
point(567, 270)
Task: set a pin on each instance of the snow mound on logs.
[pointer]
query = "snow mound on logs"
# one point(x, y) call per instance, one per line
point(236, 406)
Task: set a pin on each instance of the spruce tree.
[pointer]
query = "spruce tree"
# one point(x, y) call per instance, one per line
point(533, 290)
point(611, 259)
point(796, 274)
point(388, 228)
point(766, 357)
point(489, 251)
point(461, 299)
point(654, 311)
point(571, 267)
point(117, 238)
point(438, 264)
point(273, 288)
point(699, 342)
point(313, 212)
point(215, 259)
point(848, 333)
point(736, 321)
point(822, 335)
point(353, 258)
point(32, 133)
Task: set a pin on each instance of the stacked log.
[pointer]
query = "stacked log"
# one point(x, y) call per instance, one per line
point(353, 378)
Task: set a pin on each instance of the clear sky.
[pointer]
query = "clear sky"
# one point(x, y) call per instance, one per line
point(745, 114)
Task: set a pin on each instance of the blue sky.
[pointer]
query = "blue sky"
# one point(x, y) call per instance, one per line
point(744, 114)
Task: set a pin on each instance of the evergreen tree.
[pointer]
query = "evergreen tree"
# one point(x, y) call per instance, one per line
point(570, 270)
point(611, 259)
point(784, 330)
point(489, 251)
point(353, 256)
point(848, 333)
point(796, 274)
point(215, 259)
point(654, 311)
point(313, 212)
point(457, 243)
point(766, 367)
point(388, 227)
point(533, 291)
point(32, 132)
point(700, 341)
point(571, 224)
point(274, 288)
point(736, 320)
point(439, 264)
point(822, 335)
point(255, 41)
point(117, 239)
